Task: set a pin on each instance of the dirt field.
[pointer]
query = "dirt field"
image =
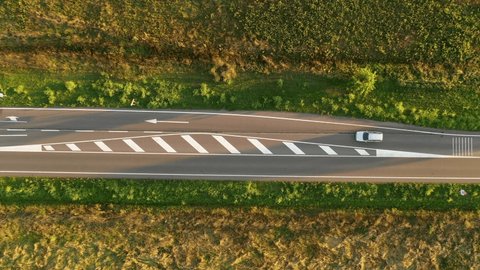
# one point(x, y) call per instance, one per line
point(110, 237)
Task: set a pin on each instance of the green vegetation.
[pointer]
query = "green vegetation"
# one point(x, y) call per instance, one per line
point(243, 194)
point(374, 98)
point(408, 61)
point(306, 56)
point(237, 32)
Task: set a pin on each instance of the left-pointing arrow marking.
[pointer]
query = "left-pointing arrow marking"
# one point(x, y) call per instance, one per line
point(13, 119)
point(155, 121)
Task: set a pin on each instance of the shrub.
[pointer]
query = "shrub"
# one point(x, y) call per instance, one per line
point(277, 102)
point(363, 81)
point(70, 85)
point(280, 83)
point(223, 71)
point(205, 92)
point(163, 93)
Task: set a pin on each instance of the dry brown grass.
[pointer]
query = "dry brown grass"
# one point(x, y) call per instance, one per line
point(98, 237)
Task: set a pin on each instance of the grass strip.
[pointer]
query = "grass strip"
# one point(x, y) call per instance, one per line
point(403, 196)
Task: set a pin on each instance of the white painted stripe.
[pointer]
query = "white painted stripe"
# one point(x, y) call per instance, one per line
point(9, 121)
point(14, 135)
point(22, 148)
point(50, 130)
point(260, 146)
point(16, 129)
point(84, 130)
point(470, 144)
point(133, 145)
point(453, 146)
point(362, 152)
point(194, 144)
point(117, 131)
point(394, 153)
point(173, 122)
point(294, 148)
point(103, 146)
point(73, 147)
point(328, 150)
point(48, 148)
point(226, 144)
point(164, 144)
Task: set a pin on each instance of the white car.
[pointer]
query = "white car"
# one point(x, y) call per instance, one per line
point(369, 136)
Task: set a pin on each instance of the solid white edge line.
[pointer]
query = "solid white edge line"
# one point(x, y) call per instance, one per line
point(194, 144)
point(73, 147)
point(135, 147)
point(103, 146)
point(226, 144)
point(164, 144)
point(294, 148)
point(260, 146)
point(247, 175)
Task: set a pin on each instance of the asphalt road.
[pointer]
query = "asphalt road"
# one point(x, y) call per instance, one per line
point(225, 145)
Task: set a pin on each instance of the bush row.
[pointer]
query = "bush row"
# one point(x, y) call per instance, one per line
point(224, 193)
point(380, 100)
point(103, 92)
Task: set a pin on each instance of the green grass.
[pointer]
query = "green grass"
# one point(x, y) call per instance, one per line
point(410, 196)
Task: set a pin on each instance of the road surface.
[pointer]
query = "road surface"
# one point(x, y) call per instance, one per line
point(225, 145)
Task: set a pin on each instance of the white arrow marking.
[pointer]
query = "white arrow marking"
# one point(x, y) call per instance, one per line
point(13, 119)
point(155, 121)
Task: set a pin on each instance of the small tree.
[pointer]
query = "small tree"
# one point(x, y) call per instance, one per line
point(364, 81)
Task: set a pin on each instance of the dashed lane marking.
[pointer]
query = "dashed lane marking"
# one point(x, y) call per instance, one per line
point(103, 146)
point(164, 144)
point(294, 148)
point(260, 146)
point(328, 150)
point(194, 144)
point(226, 144)
point(133, 145)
